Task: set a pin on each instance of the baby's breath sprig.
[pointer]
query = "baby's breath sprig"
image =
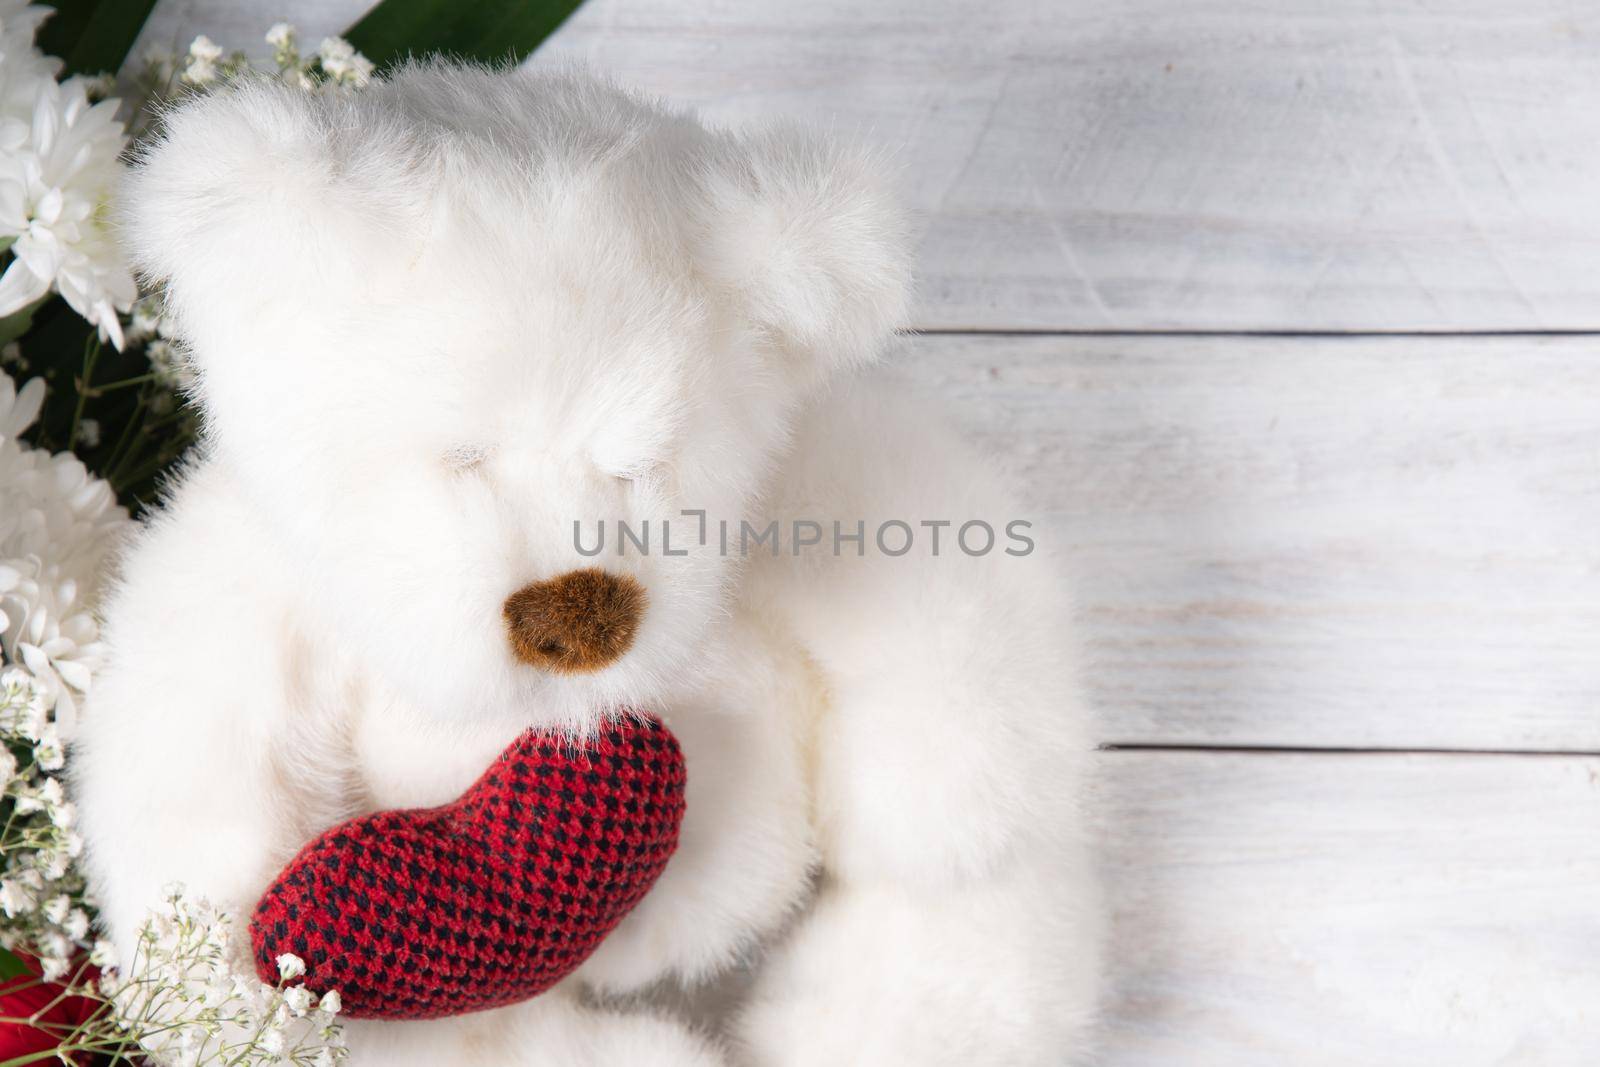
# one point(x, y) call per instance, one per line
point(334, 65)
point(182, 1002)
point(41, 892)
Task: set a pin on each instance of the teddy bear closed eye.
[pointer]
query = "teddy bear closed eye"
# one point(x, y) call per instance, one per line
point(450, 330)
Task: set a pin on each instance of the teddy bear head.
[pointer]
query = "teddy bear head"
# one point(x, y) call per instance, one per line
point(445, 326)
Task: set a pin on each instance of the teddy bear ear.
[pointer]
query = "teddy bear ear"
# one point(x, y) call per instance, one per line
point(261, 195)
point(806, 232)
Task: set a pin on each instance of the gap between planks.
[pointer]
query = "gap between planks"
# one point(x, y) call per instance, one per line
point(982, 331)
point(1298, 750)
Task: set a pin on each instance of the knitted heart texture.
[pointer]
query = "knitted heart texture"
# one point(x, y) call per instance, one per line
point(491, 899)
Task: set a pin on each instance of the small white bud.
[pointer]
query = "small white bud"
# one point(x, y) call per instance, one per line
point(57, 908)
point(299, 1000)
point(203, 47)
point(64, 814)
point(103, 955)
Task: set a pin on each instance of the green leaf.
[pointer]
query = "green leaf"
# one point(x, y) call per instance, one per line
point(93, 36)
point(18, 323)
point(12, 967)
point(485, 30)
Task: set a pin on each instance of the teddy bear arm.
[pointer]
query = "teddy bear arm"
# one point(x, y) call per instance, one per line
point(193, 695)
point(957, 922)
point(955, 733)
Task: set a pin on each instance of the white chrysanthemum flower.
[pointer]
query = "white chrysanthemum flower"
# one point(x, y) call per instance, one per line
point(99, 86)
point(58, 524)
point(19, 407)
point(21, 19)
point(49, 630)
point(55, 181)
point(22, 67)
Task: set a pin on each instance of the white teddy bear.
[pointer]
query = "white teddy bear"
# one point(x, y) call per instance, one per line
point(451, 330)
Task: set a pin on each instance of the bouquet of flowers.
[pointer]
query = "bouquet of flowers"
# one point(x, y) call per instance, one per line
point(93, 410)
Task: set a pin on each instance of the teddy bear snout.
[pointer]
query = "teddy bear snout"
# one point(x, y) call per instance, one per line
point(576, 622)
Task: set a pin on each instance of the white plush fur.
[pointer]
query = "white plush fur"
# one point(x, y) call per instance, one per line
point(435, 323)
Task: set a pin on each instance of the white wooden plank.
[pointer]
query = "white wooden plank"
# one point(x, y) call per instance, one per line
point(1339, 910)
point(1329, 542)
point(1203, 164)
point(1328, 164)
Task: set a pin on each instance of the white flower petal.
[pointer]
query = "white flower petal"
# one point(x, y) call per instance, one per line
point(13, 199)
point(20, 287)
point(18, 413)
point(74, 674)
point(47, 208)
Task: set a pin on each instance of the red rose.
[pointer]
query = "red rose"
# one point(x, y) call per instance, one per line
point(24, 997)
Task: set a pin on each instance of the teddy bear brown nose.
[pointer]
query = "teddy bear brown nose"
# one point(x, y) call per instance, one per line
point(575, 622)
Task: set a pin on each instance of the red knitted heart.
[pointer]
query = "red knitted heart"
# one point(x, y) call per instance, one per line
point(488, 900)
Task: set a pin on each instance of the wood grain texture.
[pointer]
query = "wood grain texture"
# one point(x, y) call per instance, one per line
point(1194, 164)
point(1290, 541)
point(1327, 911)
point(1303, 164)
